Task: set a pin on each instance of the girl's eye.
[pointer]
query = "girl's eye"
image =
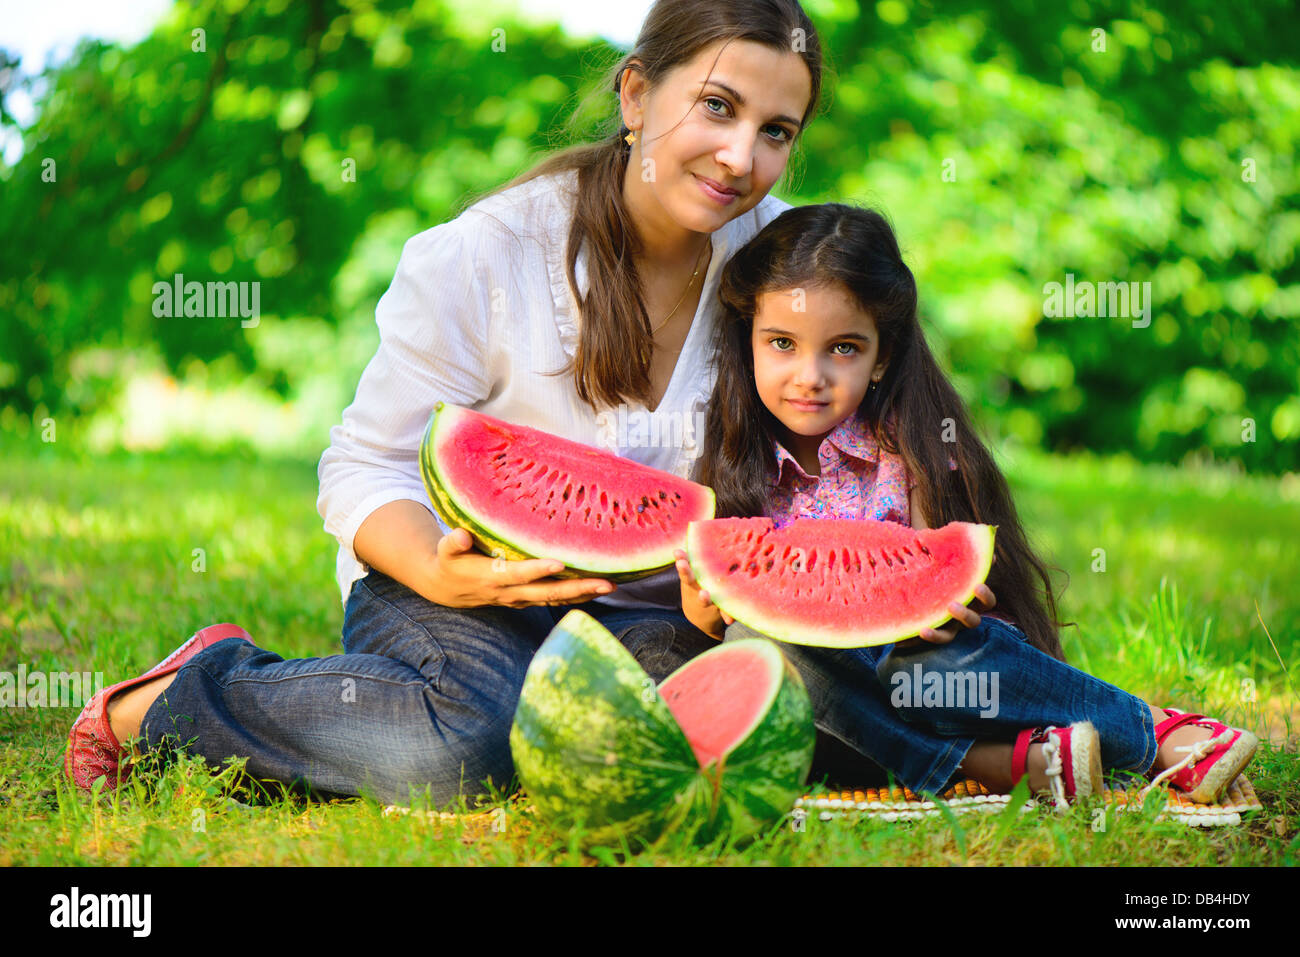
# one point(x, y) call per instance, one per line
point(777, 340)
point(782, 135)
point(853, 350)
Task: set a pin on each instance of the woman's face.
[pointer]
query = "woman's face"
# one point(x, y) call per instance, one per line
point(816, 351)
point(735, 132)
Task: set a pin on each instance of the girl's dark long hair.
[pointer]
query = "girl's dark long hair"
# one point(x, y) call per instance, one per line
point(914, 411)
point(615, 342)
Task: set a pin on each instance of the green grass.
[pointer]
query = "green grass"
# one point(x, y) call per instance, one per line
point(98, 572)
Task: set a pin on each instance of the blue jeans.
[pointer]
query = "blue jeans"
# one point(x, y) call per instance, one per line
point(423, 697)
point(917, 711)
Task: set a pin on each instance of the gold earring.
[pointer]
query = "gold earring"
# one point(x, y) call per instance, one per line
point(630, 139)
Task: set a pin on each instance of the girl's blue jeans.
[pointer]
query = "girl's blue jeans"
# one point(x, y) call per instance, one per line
point(917, 711)
point(423, 697)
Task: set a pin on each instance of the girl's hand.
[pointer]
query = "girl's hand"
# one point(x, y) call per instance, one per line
point(464, 578)
point(962, 617)
point(699, 611)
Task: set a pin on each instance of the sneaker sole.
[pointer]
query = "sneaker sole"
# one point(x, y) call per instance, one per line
point(1226, 769)
point(1085, 752)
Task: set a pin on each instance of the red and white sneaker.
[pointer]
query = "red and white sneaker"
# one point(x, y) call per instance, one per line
point(1210, 765)
point(1073, 760)
point(93, 749)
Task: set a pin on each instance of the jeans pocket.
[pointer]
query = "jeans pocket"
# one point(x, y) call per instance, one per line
point(1003, 627)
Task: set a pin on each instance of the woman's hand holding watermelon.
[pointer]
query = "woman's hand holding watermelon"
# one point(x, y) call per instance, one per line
point(699, 610)
point(465, 578)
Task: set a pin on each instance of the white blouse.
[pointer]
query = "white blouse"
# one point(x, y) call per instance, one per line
point(477, 314)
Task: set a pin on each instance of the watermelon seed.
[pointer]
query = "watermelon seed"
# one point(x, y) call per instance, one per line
point(640, 508)
point(885, 554)
point(732, 569)
point(567, 489)
point(768, 567)
point(662, 495)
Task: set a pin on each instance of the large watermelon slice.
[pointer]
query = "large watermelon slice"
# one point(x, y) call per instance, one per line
point(525, 493)
point(723, 747)
point(839, 583)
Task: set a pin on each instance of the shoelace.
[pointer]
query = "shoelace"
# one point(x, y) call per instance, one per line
point(1195, 752)
point(1055, 768)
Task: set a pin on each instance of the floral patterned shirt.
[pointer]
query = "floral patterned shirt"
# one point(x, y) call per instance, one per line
point(858, 480)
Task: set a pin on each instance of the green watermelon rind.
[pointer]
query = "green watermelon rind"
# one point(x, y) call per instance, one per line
point(492, 541)
point(980, 537)
point(594, 745)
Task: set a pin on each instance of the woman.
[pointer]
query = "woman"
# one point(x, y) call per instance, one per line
point(585, 285)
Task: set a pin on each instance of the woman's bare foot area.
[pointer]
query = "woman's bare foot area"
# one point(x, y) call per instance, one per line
point(127, 710)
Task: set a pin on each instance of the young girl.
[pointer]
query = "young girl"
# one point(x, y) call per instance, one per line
point(829, 404)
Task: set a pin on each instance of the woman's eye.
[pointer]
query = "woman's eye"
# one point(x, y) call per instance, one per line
point(778, 133)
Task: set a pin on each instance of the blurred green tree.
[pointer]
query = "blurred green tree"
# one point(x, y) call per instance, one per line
point(1014, 146)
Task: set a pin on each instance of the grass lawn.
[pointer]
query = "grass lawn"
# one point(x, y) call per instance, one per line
point(107, 564)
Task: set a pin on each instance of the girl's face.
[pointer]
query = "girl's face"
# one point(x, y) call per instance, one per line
point(736, 131)
point(816, 352)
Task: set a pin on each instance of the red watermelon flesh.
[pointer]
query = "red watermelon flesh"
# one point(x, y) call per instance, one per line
point(524, 492)
point(717, 699)
point(838, 583)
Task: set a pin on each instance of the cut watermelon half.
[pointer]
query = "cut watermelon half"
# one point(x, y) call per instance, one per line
point(525, 493)
point(838, 583)
point(723, 746)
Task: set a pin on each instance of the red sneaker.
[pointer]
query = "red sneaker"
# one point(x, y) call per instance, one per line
point(1210, 765)
point(1073, 760)
point(93, 749)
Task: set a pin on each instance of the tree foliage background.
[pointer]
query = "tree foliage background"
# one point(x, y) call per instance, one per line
point(300, 144)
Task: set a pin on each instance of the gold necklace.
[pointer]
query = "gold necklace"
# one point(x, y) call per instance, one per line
point(689, 283)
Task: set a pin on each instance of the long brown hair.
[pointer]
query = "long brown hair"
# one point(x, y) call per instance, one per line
point(914, 411)
point(615, 345)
